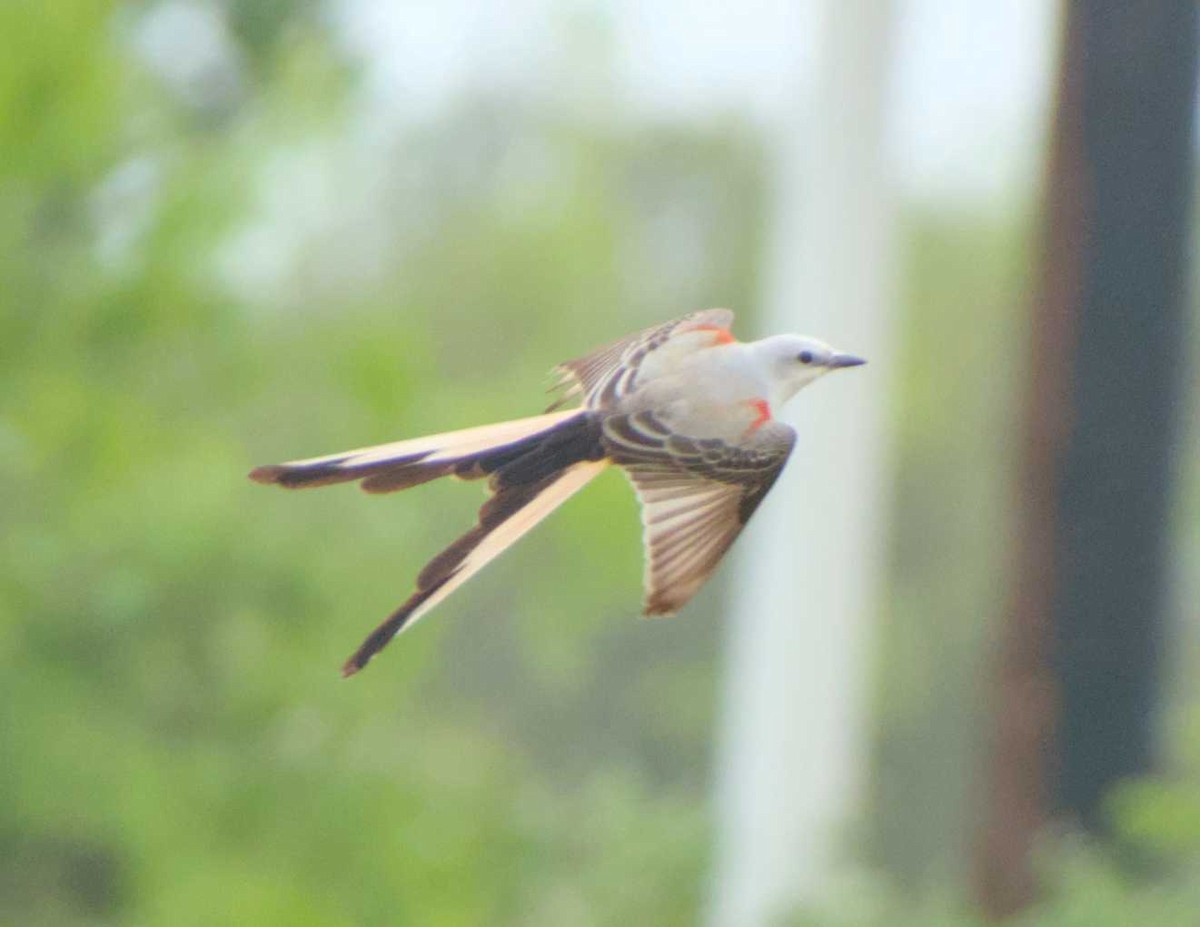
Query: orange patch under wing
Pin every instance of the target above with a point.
(763, 408)
(722, 335)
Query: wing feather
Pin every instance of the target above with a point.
(696, 497)
(611, 371)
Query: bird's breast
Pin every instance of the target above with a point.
(715, 393)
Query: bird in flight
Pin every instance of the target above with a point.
(684, 408)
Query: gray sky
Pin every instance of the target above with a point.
(969, 90)
(968, 94)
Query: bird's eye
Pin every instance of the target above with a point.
(805, 357)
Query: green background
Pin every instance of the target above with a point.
(176, 746)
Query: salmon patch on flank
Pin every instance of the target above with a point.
(764, 413)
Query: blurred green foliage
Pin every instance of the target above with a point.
(178, 748)
(1153, 877)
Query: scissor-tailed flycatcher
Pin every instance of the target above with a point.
(683, 408)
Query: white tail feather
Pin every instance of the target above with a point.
(513, 529)
(490, 546)
(442, 447)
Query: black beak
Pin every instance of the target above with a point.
(844, 360)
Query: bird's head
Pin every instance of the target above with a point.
(794, 361)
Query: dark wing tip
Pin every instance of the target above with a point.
(375, 642)
(304, 476)
(267, 475)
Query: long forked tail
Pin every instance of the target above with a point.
(533, 466)
(505, 518)
(472, 453)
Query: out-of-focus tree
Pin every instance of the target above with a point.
(214, 253)
(1078, 681)
(182, 749)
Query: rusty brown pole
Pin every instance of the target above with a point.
(1076, 680)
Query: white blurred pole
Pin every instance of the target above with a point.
(791, 757)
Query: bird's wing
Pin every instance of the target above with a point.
(611, 371)
(696, 495)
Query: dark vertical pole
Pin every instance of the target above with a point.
(1078, 672)
(1137, 130)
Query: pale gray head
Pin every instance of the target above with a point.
(794, 361)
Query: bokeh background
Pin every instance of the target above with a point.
(238, 232)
